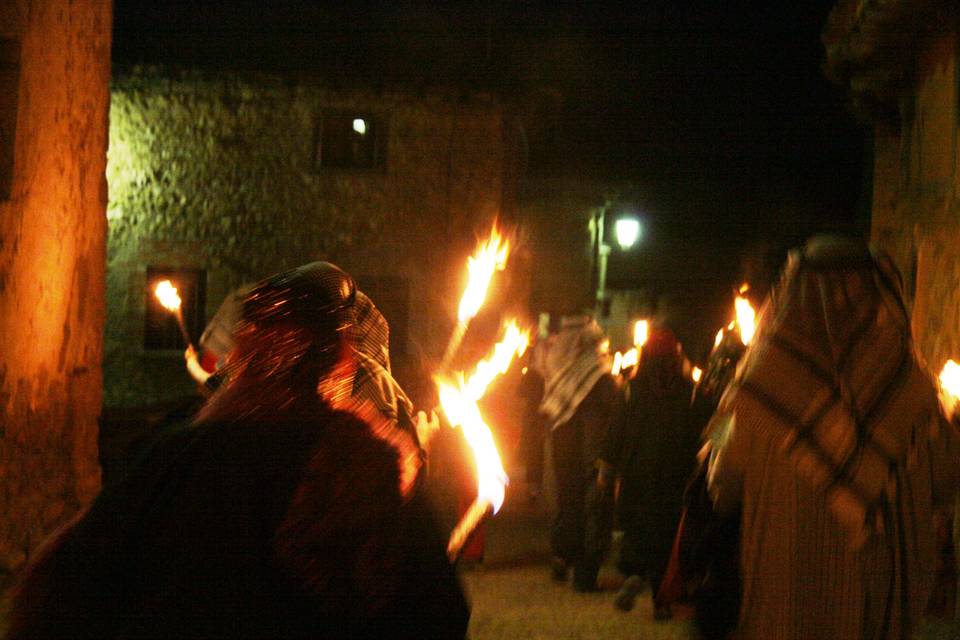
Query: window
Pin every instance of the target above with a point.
(162, 331)
(351, 141)
(9, 94)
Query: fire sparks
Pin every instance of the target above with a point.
(746, 319)
(696, 373)
(491, 256)
(641, 331)
(167, 295)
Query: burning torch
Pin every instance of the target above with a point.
(459, 403)
(491, 256)
(170, 300)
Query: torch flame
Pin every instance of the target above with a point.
(167, 295)
(514, 342)
(641, 331)
(631, 358)
(950, 378)
(459, 402)
(617, 363)
(746, 319)
(462, 411)
(718, 339)
(490, 257)
(696, 373)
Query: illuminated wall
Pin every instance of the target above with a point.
(54, 70)
(916, 212)
(221, 173)
(898, 61)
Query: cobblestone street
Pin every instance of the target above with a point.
(512, 595)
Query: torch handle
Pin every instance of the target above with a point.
(183, 328)
(453, 345)
(479, 510)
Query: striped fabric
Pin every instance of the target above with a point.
(217, 337)
(369, 337)
(376, 396)
(832, 377)
(831, 442)
(573, 364)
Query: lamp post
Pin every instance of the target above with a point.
(627, 230)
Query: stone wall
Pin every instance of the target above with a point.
(220, 173)
(916, 212)
(52, 232)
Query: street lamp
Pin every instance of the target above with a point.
(627, 231)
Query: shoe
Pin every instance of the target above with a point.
(558, 570)
(662, 612)
(627, 595)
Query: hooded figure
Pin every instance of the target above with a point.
(831, 439)
(579, 401)
(285, 511)
(652, 448)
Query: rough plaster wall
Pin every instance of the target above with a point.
(52, 234)
(916, 215)
(219, 174)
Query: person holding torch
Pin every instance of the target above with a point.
(289, 509)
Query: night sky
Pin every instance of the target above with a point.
(719, 111)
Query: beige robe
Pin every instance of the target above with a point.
(801, 581)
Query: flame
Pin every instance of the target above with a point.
(167, 295)
(490, 257)
(604, 346)
(744, 288)
(641, 331)
(514, 342)
(718, 339)
(459, 402)
(950, 378)
(696, 373)
(746, 319)
(617, 363)
(631, 358)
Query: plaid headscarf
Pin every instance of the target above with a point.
(833, 378)
(358, 378)
(573, 366)
(369, 337)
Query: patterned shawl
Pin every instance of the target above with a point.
(573, 365)
(833, 378)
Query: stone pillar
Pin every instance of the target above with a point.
(55, 72)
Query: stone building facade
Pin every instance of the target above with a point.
(228, 179)
(899, 63)
(54, 96)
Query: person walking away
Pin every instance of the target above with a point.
(579, 402)
(652, 448)
(832, 440)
